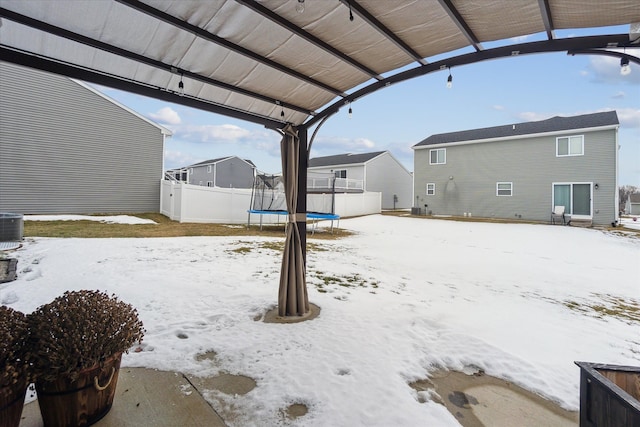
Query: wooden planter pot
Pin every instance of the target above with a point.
(82, 402)
(11, 403)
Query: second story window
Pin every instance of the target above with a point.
(570, 146)
(341, 173)
(438, 156)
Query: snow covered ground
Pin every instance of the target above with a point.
(399, 299)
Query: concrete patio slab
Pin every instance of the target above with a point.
(148, 397)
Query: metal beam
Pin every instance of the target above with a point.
(556, 45)
(382, 29)
(461, 23)
(61, 32)
(199, 32)
(267, 13)
(613, 53)
(88, 75)
(545, 11)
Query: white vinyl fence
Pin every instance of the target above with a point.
(195, 203)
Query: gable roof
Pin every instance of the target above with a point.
(219, 159)
(344, 159)
(554, 124)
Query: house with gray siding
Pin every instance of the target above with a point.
(632, 206)
(224, 172)
(523, 170)
(377, 172)
(66, 148)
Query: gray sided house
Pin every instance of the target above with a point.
(523, 170)
(66, 148)
(377, 172)
(225, 172)
(632, 206)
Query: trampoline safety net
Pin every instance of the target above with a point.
(268, 193)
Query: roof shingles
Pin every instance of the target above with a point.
(554, 124)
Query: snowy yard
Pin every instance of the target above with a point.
(400, 299)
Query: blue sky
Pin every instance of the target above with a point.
(490, 93)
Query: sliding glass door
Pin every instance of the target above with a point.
(575, 197)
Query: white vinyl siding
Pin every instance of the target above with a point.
(431, 189)
(570, 146)
(504, 189)
(438, 156)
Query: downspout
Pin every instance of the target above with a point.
(616, 197)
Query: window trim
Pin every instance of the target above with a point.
(568, 138)
(510, 189)
(208, 168)
(339, 172)
(444, 161)
(433, 185)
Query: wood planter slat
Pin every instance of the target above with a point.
(82, 402)
(12, 402)
(609, 395)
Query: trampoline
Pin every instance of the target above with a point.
(267, 198)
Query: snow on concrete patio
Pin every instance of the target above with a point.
(401, 298)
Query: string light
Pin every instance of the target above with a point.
(625, 68)
(350, 13)
(350, 111)
(449, 80)
(300, 6)
(181, 86)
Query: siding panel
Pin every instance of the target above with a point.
(65, 149)
(467, 182)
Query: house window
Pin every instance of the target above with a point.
(438, 156)
(504, 189)
(575, 197)
(341, 173)
(208, 168)
(570, 146)
(209, 183)
(431, 189)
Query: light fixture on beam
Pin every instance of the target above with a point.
(300, 6)
(449, 80)
(350, 111)
(181, 87)
(625, 68)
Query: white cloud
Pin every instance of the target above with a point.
(619, 95)
(629, 117)
(606, 69)
(218, 133)
(166, 115)
(174, 159)
(338, 145)
(498, 107)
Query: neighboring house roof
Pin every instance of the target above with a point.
(634, 198)
(554, 124)
(343, 159)
(212, 161)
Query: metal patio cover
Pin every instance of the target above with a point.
(265, 62)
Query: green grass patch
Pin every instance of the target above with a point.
(164, 227)
(609, 306)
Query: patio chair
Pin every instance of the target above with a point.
(557, 215)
